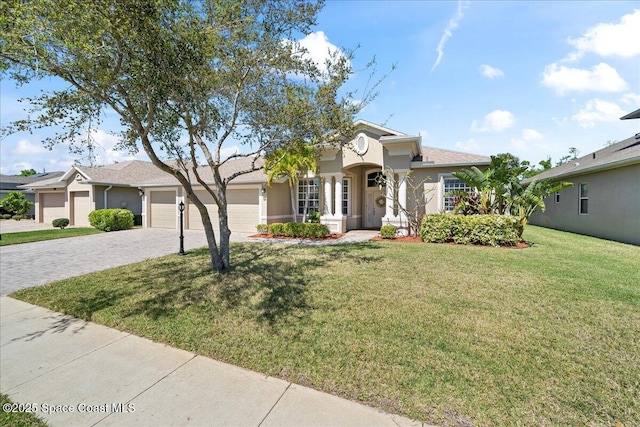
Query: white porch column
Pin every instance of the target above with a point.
(327, 195)
(388, 216)
(338, 196)
(402, 193)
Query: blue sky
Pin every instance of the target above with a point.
(529, 78)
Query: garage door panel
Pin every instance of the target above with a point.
(81, 208)
(242, 210)
(52, 206)
(163, 209)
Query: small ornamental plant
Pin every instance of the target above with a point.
(60, 223)
(388, 231)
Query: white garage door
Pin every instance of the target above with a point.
(52, 207)
(163, 209)
(81, 208)
(242, 210)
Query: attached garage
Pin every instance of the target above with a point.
(242, 210)
(52, 206)
(81, 208)
(162, 209)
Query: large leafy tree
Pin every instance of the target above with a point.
(184, 77)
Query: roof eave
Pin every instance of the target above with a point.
(597, 168)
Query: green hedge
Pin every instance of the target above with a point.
(111, 219)
(299, 229)
(388, 231)
(60, 223)
(494, 230)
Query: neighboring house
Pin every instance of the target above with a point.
(604, 200)
(346, 188)
(9, 183)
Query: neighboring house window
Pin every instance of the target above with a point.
(557, 197)
(584, 199)
(452, 184)
(346, 198)
(314, 195)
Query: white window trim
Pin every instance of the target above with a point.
(349, 191)
(580, 198)
(300, 182)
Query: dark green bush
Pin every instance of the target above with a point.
(388, 231)
(299, 229)
(494, 230)
(5, 216)
(17, 217)
(60, 223)
(314, 217)
(111, 219)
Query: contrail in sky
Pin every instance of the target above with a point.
(448, 32)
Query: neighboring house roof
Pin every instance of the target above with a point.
(439, 157)
(634, 115)
(17, 182)
(617, 155)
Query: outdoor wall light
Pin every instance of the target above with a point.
(140, 192)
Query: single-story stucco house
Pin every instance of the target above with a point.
(604, 200)
(345, 189)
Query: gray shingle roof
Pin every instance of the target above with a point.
(433, 157)
(620, 154)
(632, 115)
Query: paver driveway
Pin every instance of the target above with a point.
(33, 264)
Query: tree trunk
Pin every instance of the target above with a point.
(294, 210)
(225, 233)
(217, 261)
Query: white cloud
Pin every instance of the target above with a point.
(448, 31)
(497, 120)
(601, 78)
(229, 151)
(25, 147)
(528, 136)
(468, 145)
(319, 49)
(597, 110)
(605, 39)
(490, 72)
(631, 99)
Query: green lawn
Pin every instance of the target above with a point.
(547, 335)
(17, 416)
(40, 235)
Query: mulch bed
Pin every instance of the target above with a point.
(332, 236)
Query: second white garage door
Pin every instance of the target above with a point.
(163, 209)
(81, 208)
(52, 207)
(242, 210)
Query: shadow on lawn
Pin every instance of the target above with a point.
(266, 282)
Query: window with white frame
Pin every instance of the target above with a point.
(452, 184)
(313, 186)
(346, 196)
(584, 199)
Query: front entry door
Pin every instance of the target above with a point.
(374, 212)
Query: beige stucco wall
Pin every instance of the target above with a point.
(433, 185)
(278, 203)
(614, 206)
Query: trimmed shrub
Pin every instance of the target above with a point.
(388, 231)
(111, 219)
(493, 230)
(276, 229)
(17, 217)
(299, 229)
(262, 228)
(314, 217)
(60, 223)
(5, 216)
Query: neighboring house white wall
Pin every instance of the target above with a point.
(613, 207)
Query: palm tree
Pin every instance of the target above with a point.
(532, 198)
(291, 164)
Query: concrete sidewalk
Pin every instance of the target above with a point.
(77, 373)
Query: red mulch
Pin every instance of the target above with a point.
(332, 236)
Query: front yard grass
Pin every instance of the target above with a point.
(548, 335)
(14, 415)
(40, 235)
